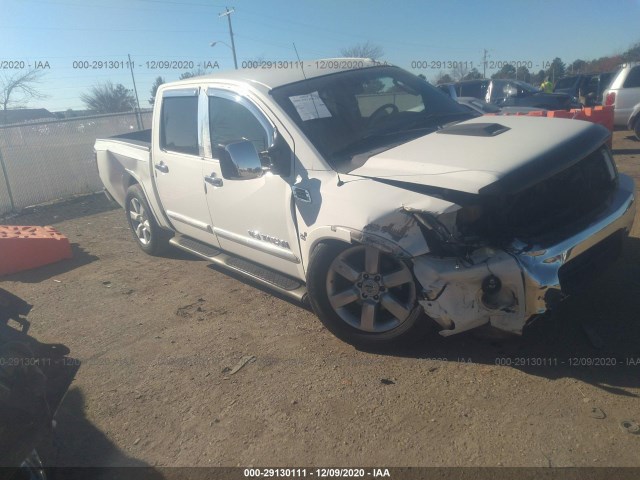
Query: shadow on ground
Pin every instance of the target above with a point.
(593, 337)
(81, 447)
(626, 151)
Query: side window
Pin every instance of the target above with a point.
(473, 89)
(230, 122)
(633, 79)
(179, 125)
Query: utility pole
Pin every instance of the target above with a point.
(484, 64)
(227, 14)
(138, 114)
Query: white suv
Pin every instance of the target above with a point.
(623, 92)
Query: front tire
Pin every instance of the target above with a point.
(362, 295)
(636, 128)
(148, 235)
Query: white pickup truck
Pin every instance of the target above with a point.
(367, 191)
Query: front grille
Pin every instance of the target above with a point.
(552, 205)
(576, 274)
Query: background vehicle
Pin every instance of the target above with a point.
(509, 93)
(634, 121)
(623, 92)
(365, 190)
(584, 88)
(482, 107)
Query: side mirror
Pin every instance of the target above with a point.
(241, 161)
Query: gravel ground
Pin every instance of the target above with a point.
(162, 341)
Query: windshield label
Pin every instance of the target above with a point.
(310, 106)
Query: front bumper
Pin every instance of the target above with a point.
(534, 276)
(551, 271)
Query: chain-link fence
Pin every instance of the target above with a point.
(46, 161)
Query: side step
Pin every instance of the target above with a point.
(283, 284)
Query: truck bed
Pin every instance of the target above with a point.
(141, 138)
(124, 157)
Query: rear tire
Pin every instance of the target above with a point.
(148, 235)
(362, 295)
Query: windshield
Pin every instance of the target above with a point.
(369, 110)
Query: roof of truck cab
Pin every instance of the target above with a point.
(285, 72)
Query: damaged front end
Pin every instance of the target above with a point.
(504, 259)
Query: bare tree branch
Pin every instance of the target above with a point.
(363, 50)
(109, 98)
(20, 83)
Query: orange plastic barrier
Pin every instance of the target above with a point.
(25, 247)
(600, 115)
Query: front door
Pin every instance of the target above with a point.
(252, 218)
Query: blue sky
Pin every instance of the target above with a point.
(61, 32)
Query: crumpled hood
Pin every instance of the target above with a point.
(530, 150)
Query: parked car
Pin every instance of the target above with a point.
(509, 93)
(482, 107)
(584, 88)
(623, 92)
(634, 121)
(363, 189)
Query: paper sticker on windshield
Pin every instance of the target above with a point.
(310, 106)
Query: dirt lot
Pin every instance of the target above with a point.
(159, 339)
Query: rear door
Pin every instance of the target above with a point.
(178, 162)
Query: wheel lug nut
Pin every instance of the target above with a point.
(377, 278)
(359, 284)
(376, 297)
(382, 289)
(364, 295)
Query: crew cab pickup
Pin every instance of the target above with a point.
(363, 189)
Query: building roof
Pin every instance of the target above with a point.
(21, 115)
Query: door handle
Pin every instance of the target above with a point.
(213, 180)
(161, 167)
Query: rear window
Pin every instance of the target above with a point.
(633, 79)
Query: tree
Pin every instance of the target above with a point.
(109, 98)
(20, 83)
(507, 71)
(193, 73)
(579, 66)
(556, 70)
(459, 71)
(443, 78)
(538, 78)
(473, 74)
(633, 54)
(154, 89)
(522, 73)
(363, 50)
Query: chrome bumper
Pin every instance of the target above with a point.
(541, 264)
(533, 277)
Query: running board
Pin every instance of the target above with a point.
(278, 281)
